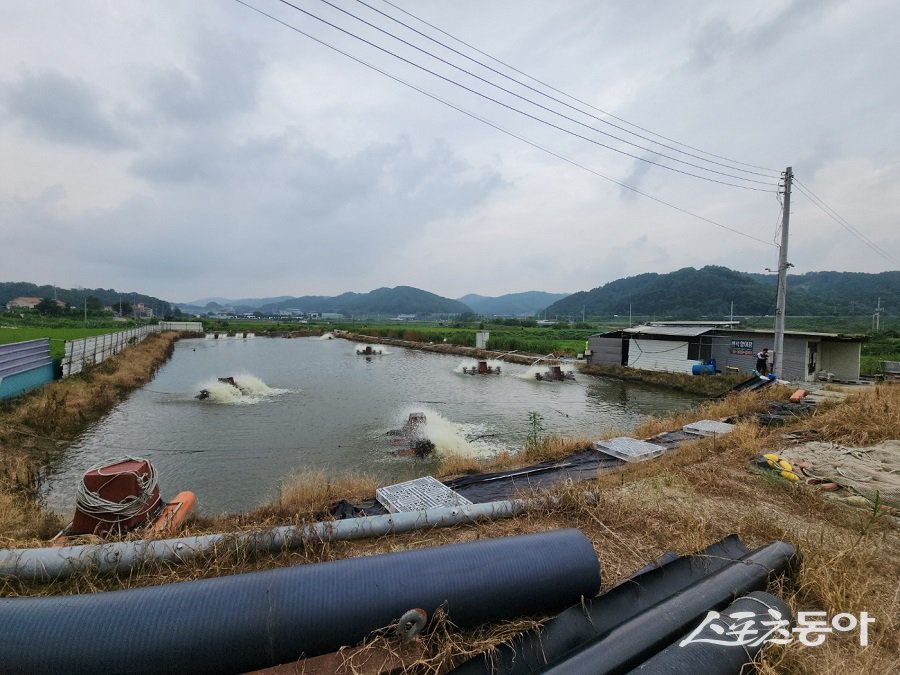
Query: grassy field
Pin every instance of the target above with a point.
(58, 336)
(19, 328)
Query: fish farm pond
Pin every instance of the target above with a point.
(315, 403)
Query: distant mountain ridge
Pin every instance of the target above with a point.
(243, 302)
(385, 301)
(690, 293)
(687, 293)
(381, 301)
(527, 303)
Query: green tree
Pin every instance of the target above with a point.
(48, 307)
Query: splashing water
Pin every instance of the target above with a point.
(326, 336)
(248, 389)
(449, 438)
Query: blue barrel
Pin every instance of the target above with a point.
(703, 369)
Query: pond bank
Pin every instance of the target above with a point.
(38, 427)
(704, 385)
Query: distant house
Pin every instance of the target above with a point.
(143, 311)
(23, 302)
(26, 302)
(678, 347)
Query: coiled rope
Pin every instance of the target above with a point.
(104, 510)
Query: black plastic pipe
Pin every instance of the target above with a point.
(629, 644)
(532, 650)
(250, 621)
(722, 659)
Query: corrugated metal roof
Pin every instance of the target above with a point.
(686, 331)
(848, 337)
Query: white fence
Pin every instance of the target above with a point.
(90, 351)
(182, 326)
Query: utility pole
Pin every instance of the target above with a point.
(783, 264)
(877, 317)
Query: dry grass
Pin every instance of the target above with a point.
(308, 495)
(547, 448)
(457, 465)
(866, 419)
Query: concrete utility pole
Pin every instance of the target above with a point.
(783, 264)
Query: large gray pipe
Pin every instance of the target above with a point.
(245, 622)
(40, 564)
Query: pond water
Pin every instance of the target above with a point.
(311, 403)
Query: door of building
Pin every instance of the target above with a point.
(812, 360)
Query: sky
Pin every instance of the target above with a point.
(194, 149)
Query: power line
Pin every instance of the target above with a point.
(497, 126)
(539, 92)
(558, 91)
(835, 216)
(523, 112)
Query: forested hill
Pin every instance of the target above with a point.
(399, 300)
(708, 292)
(846, 292)
(76, 297)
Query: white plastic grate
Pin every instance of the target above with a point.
(628, 449)
(708, 428)
(418, 494)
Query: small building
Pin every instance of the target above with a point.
(143, 311)
(23, 302)
(678, 348)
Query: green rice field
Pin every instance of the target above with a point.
(58, 336)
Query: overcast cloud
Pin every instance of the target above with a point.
(198, 149)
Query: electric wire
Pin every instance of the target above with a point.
(508, 106)
(552, 98)
(528, 100)
(558, 91)
(499, 128)
(835, 216)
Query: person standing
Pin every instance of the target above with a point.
(762, 361)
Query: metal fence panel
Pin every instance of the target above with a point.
(90, 351)
(24, 366)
